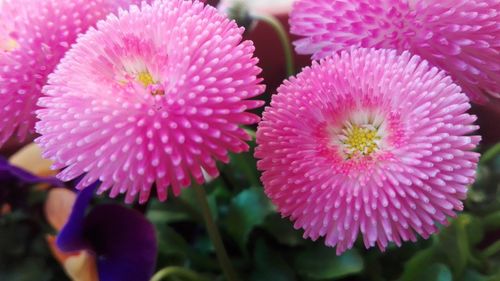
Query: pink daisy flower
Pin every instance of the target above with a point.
(34, 35)
(152, 97)
(460, 36)
(368, 143)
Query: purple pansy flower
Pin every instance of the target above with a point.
(123, 241)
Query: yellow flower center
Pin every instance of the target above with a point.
(145, 78)
(8, 45)
(360, 140)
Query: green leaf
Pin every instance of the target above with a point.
(246, 163)
(270, 265)
(247, 210)
(176, 210)
(178, 273)
(28, 270)
(436, 272)
(174, 250)
(321, 262)
(163, 216)
(453, 241)
(414, 266)
(492, 221)
(282, 230)
(189, 197)
(170, 242)
(471, 275)
(475, 230)
(494, 277)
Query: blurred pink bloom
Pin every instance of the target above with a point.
(370, 143)
(34, 35)
(460, 36)
(152, 97)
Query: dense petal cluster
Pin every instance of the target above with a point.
(34, 35)
(460, 36)
(368, 142)
(153, 96)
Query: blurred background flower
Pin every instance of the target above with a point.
(34, 36)
(268, 46)
(460, 37)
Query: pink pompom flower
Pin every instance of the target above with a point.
(153, 96)
(34, 36)
(461, 37)
(368, 143)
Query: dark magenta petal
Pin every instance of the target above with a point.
(71, 238)
(124, 242)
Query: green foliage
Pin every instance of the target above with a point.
(24, 254)
(436, 272)
(265, 247)
(270, 264)
(319, 262)
(282, 230)
(247, 210)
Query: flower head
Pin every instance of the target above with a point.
(459, 36)
(152, 97)
(34, 36)
(368, 142)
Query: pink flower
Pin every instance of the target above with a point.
(368, 143)
(152, 97)
(34, 35)
(460, 36)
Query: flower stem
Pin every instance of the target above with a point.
(492, 250)
(492, 221)
(490, 154)
(214, 234)
(284, 39)
(177, 271)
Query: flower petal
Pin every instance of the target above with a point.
(71, 237)
(122, 239)
(58, 206)
(30, 158)
(80, 266)
(124, 242)
(9, 172)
